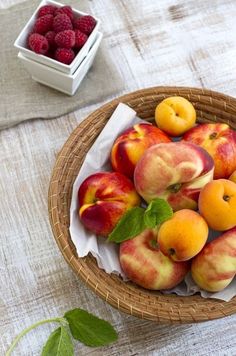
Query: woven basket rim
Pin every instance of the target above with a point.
(125, 296)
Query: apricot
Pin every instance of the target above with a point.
(183, 236)
(175, 115)
(217, 204)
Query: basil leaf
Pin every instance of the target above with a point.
(58, 344)
(130, 225)
(89, 329)
(157, 212)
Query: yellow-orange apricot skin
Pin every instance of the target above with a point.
(175, 115)
(183, 236)
(217, 204)
(233, 177)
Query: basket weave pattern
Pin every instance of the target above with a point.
(127, 297)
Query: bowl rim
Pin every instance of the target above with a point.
(52, 62)
(128, 297)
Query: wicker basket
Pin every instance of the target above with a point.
(127, 297)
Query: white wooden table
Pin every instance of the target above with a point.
(162, 42)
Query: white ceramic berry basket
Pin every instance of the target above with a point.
(66, 83)
(21, 41)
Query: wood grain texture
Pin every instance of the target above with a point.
(162, 42)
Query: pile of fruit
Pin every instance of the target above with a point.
(185, 176)
(60, 34)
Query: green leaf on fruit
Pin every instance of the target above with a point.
(130, 225)
(157, 212)
(137, 219)
(58, 344)
(89, 329)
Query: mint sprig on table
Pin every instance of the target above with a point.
(137, 219)
(83, 326)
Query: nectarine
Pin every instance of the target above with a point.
(131, 144)
(144, 263)
(220, 142)
(173, 171)
(215, 266)
(103, 198)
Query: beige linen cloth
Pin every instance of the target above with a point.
(21, 98)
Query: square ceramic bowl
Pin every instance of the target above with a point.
(21, 40)
(66, 83)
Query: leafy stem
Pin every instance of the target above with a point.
(83, 326)
(62, 321)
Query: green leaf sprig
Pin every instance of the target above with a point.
(137, 219)
(83, 326)
(78, 323)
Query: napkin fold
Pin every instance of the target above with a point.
(21, 98)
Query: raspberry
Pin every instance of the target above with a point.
(65, 39)
(64, 55)
(50, 36)
(62, 22)
(46, 10)
(85, 24)
(80, 38)
(43, 24)
(65, 10)
(38, 43)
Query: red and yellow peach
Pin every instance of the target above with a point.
(103, 198)
(131, 144)
(215, 266)
(219, 140)
(144, 263)
(175, 171)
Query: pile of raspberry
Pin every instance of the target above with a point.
(59, 34)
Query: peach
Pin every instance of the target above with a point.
(131, 144)
(175, 115)
(215, 266)
(217, 204)
(103, 198)
(183, 236)
(174, 171)
(219, 140)
(233, 177)
(144, 263)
